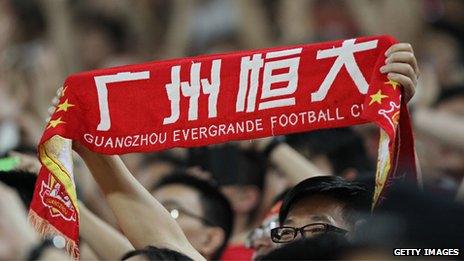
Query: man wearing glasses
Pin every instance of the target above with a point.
(202, 212)
(318, 205)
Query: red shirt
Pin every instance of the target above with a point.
(237, 252)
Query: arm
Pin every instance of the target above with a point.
(141, 217)
(294, 165)
(432, 123)
(107, 243)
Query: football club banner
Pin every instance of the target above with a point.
(211, 99)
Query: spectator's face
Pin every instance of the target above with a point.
(317, 209)
(184, 205)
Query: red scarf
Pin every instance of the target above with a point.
(210, 99)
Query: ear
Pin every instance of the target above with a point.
(213, 239)
(350, 174)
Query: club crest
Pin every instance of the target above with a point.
(54, 196)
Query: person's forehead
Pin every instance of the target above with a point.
(182, 195)
(314, 207)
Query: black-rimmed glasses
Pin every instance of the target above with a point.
(286, 234)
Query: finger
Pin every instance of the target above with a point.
(403, 57)
(406, 82)
(399, 47)
(400, 68)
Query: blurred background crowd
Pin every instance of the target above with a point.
(43, 41)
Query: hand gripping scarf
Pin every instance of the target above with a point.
(210, 99)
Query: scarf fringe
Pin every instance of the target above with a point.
(45, 230)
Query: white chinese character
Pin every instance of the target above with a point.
(101, 83)
(345, 57)
(249, 77)
(192, 90)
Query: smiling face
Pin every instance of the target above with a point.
(317, 209)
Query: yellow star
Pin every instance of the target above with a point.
(377, 97)
(64, 90)
(393, 84)
(54, 123)
(64, 106)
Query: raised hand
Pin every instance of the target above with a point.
(401, 67)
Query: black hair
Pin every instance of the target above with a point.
(216, 207)
(342, 146)
(22, 181)
(355, 197)
(328, 246)
(154, 253)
